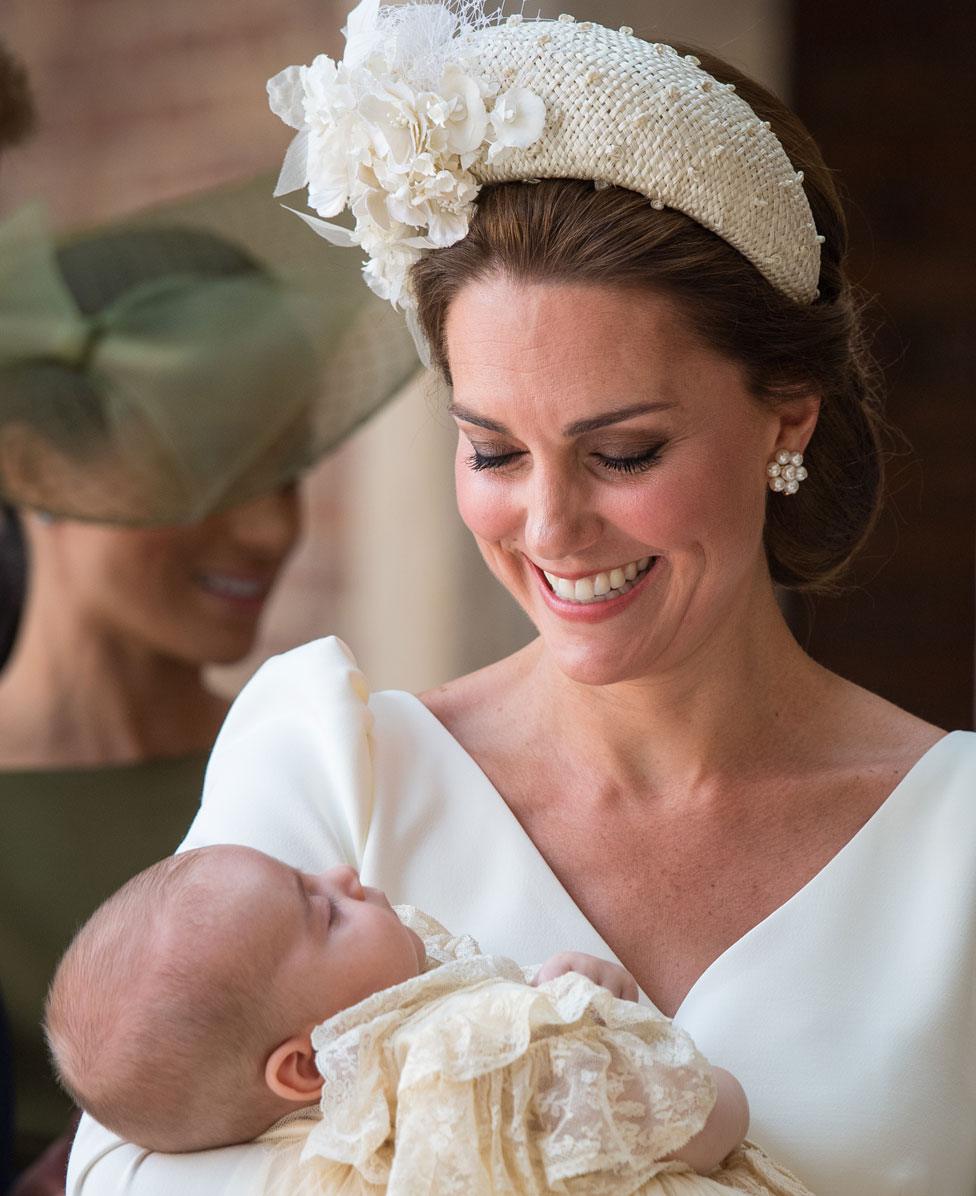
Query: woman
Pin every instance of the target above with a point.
(149, 376)
(663, 776)
(106, 723)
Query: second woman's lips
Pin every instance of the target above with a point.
(235, 586)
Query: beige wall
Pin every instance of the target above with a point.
(139, 103)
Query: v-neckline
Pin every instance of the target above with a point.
(836, 860)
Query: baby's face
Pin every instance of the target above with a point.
(325, 940)
(347, 942)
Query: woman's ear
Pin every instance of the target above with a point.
(797, 419)
(291, 1072)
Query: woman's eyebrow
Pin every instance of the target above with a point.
(615, 417)
(576, 429)
(480, 421)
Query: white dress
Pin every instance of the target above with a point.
(848, 1014)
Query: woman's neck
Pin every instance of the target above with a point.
(79, 693)
(722, 712)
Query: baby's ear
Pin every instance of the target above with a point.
(291, 1072)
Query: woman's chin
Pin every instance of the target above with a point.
(597, 664)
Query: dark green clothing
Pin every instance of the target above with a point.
(68, 839)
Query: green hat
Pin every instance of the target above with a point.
(159, 370)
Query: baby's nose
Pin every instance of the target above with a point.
(346, 879)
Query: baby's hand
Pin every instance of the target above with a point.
(610, 976)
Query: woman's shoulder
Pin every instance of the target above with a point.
(861, 732)
(316, 687)
(291, 771)
(319, 666)
(471, 707)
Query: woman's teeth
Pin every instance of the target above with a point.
(233, 587)
(600, 586)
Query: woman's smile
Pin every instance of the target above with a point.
(600, 585)
(239, 589)
(590, 598)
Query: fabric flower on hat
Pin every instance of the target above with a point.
(517, 119)
(459, 111)
(391, 133)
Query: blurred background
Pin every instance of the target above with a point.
(139, 103)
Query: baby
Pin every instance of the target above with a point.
(182, 1015)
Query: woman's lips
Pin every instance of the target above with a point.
(244, 592)
(595, 612)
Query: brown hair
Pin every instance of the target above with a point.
(568, 230)
(16, 106)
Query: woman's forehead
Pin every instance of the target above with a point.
(530, 325)
(590, 349)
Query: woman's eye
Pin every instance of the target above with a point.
(479, 461)
(635, 464)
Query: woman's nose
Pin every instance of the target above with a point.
(559, 524)
(345, 879)
(268, 525)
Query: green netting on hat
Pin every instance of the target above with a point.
(159, 370)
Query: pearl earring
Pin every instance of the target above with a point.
(785, 472)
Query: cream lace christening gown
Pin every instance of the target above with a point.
(468, 1081)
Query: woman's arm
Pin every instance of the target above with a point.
(291, 775)
(103, 1165)
(727, 1125)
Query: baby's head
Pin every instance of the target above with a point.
(180, 1016)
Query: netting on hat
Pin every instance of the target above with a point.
(158, 371)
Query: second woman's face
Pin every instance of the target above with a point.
(193, 592)
(612, 469)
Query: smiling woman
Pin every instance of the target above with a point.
(593, 462)
(159, 395)
(119, 620)
(105, 721)
(663, 410)
(782, 353)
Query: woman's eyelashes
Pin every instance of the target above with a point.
(635, 463)
(479, 460)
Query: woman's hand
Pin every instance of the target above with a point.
(610, 976)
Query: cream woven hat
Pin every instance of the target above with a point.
(431, 101)
(635, 114)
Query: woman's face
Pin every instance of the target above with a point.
(193, 592)
(602, 447)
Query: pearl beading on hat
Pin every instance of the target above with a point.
(629, 113)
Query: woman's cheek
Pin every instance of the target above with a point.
(484, 503)
(702, 506)
(663, 510)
